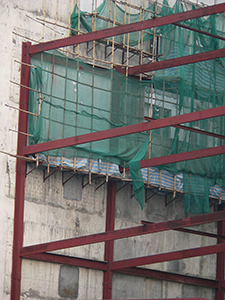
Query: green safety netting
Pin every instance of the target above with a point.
(110, 10)
(190, 88)
(80, 99)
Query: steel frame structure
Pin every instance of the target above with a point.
(130, 266)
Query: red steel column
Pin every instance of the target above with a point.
(110, 224)
(20, 177)
(220, 260)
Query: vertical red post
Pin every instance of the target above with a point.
(110, 224)
(220, 260)
(20, 176)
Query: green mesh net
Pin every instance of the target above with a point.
(80, 99)
(110, 10)
(186, 89)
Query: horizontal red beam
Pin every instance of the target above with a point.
(158, 258)
(161, 275)
(191, 231)
(68, 260)
(192, 129)
(125, 130)
(184, 156)
(123, 233)
(100, 265)
(173, 62)
(127, 28)
(200, 31)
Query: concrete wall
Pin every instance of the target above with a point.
(50, 212)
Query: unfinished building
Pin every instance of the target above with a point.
(119, 152)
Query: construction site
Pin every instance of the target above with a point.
(112, 157)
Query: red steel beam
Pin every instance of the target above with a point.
(143, 272)
(123, 233)
(20, 176)
(161, 275)
(184, 156)
(200, 31)
(125, 130)
(68, 260)
(195, 130)
(170, 256)
(191, 231)
(109, 245)
(173, 62)
(127, 28)
(220, 260)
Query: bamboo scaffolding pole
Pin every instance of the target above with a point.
(89, 174)
(142, 37)
(22, 63)
(174, 186)
(37, 163)
(74, 163)
(48, 165)
(25, 111)
(19, 156)
(94, 42)
(24, 133)
(25, 37)
(162, 116)
(24, 86)
(128, 43)
(104, 40)
(107, 171)
(36, 20)
(43, 27)
(78, 47)
(140, 18)
(125, 20)
(152, 96)
(113, 39)
(109, 19)
(132, 5)
(56, 16)
(160, 179)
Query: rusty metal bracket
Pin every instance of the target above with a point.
(173, 198)
(125, 184)
(100, 185)
(34, 168)
(154, 193)
(45, 178)
(64, 182)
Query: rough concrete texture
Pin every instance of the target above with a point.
(53, 213)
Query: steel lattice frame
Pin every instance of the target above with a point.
(39, 252)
